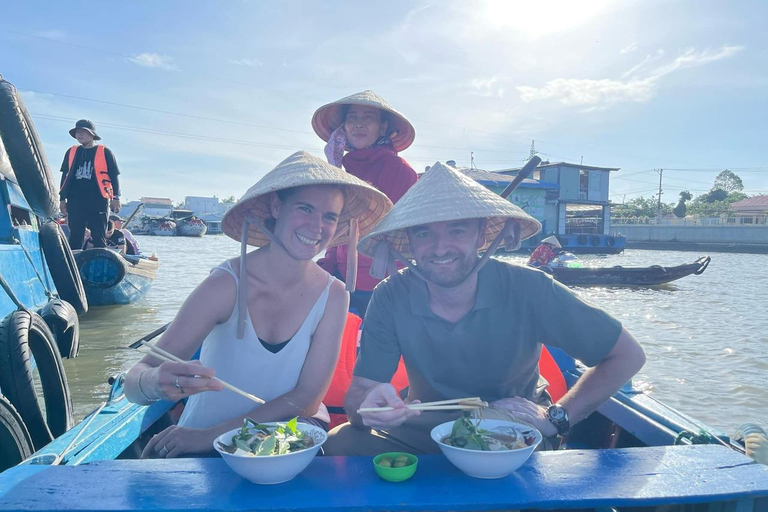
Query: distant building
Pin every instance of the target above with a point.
(755, 207)
(202, 205)
(212, 221)
(157, 206)
(582, 204)
(538, 199)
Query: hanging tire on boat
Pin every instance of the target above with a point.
(25, 152)
(595, 240)
(26, 339)
(15, 441)
(610, 241)
(582, 239)
(61, 263)
(62, 319)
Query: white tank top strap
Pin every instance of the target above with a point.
(226, 267)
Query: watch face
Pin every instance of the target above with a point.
(556, 413)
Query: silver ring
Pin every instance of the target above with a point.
(178, 386)
(163, 451)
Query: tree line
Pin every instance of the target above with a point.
(727, 189)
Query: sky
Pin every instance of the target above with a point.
(204, 97)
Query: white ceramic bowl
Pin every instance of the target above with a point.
(272, 469)
(482, 464)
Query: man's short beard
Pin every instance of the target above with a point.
(451, 281)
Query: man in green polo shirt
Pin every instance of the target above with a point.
(468, 326)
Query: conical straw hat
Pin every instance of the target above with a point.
(445, 194)
(552, 240)
(363, 201)
(328, 117)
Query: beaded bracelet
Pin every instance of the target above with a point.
(141, 390)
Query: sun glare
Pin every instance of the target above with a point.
(539, 18)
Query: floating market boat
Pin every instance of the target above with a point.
(633, 452)
(111, 278)
(154, 226)
(625, 276)
(188, 224)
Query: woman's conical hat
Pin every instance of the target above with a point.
(363, 201)
(446, 194)
(328, 117)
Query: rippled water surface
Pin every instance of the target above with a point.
(706, 336)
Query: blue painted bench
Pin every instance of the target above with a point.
(564, 479)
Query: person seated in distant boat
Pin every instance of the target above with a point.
(468, 326)
(364, 135)
(115, 238)
(269, 323)
(545, 252)
(131, 244)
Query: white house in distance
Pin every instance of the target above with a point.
(157, 206)
(753, 210)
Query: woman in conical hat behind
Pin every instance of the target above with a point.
(364, 135)
(544, 253)
(269, 322)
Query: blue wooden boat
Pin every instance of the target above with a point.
(634, 452)
(111, 278)
(37, 327)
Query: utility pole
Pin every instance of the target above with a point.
(532, 152)
(658, 206)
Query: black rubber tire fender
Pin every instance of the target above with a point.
(62, 319)
(25, 152)
(15, 441)
(61, 263)
(582, 239)
(610, 241)
(23, 335)
(595, 240)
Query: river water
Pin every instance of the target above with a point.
(706, 336)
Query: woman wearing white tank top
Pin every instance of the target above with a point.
(269, 322)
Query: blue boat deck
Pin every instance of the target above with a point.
(567, 479)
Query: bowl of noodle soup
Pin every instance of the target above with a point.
(486, 448)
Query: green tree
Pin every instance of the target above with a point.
(680, 209)
(728, 181)
(229, 200)
(640, 207)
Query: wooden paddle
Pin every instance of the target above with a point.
(523, 173)
(132, 215)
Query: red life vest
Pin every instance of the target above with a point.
(99, 168)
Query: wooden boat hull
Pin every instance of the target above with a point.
(184, 228)
(626, 276)
(110, 278)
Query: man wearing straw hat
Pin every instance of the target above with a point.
(364, 134)
(468, 326)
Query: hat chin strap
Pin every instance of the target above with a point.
(510, 235)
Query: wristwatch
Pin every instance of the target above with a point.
(558, 416)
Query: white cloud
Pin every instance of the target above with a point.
(601, 94)
(692, 58)
(628, 49)
(583, 92)
(249, 63)
(56, 35)
(154, 60)
(487, 87)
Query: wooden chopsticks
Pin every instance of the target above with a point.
(457, 404)
(167, 356)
